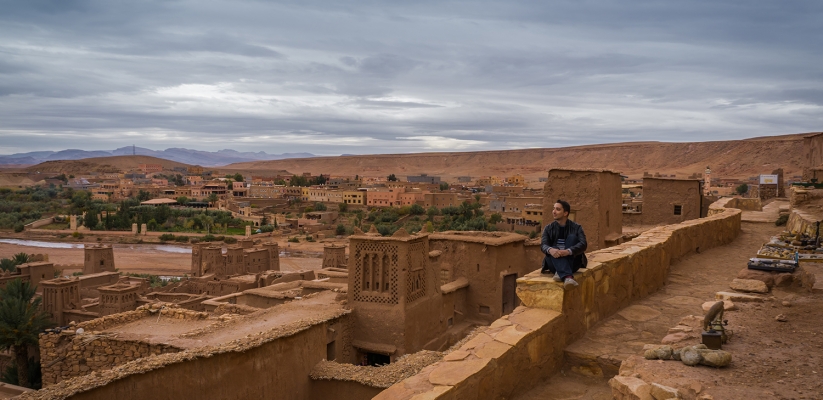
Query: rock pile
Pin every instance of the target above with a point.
(379, 377)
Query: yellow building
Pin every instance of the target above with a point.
(354, 197)
(516, 180)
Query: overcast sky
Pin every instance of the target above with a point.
(332, 77)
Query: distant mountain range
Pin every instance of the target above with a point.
(186, 156)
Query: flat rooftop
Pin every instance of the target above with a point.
(188, 334)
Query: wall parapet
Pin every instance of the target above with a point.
(525, 347)
(622, 274)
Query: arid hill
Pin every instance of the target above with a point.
(100, 164)
(731, 158)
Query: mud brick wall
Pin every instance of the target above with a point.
(620, 275)
(526, 346)
(65, 355)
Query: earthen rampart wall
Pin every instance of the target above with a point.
(526, 347)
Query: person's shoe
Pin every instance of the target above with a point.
(545, 272)
(557, 278)
(569, 282)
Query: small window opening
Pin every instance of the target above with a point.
(678, 209)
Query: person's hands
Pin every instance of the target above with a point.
(556, 253)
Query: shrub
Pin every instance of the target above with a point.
(294, 240)
(229, 240)
(181, 238)
(309, 238)
(208, 238)
(781, 220)
(319, 207)
(341, 229)
(267, 228)
(166, 236)
(18, 227)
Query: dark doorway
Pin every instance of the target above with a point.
(376, 360)
(330, 351)
(510, 300)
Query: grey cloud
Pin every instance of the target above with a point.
(505, 74)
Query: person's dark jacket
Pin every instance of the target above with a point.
(550, 236)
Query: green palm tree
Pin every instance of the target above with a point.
(21, 321)
(7, 264)
(21, 258)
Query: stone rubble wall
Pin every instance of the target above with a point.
(802, 221)
(67, 354)
(526, 347)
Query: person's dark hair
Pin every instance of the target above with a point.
(565, 204)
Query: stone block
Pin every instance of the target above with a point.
(739, 297)
(749, 286)
(728, 305)
(660, 392)
(630, 388)
(455, 372)
(763, 276)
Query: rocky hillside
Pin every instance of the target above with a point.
(732, 158)
(100, 164)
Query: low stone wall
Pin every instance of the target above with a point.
(39, 223)
(526, 346)
(743, 204)
(67, 355)
(622, 274)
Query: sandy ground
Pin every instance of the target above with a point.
(771, 359)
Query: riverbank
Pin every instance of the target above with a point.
(167, 259)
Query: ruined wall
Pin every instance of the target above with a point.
(484, 266)
(663, 199)
(743, 204)
(806, 198)
(526, 347)
(596, 202)
(275, 365)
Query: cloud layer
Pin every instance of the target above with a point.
(332, 77)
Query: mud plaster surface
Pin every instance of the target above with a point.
(770, 359)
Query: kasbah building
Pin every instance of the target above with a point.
(445, 315)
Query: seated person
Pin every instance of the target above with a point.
(564, 244)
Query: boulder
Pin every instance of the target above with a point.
(763, 276)
(716, 358)
(749, 285)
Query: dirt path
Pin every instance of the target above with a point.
(762, 347)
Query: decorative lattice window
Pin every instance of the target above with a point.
(375, 272)
(416, 279)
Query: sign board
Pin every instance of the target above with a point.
(768, 179)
